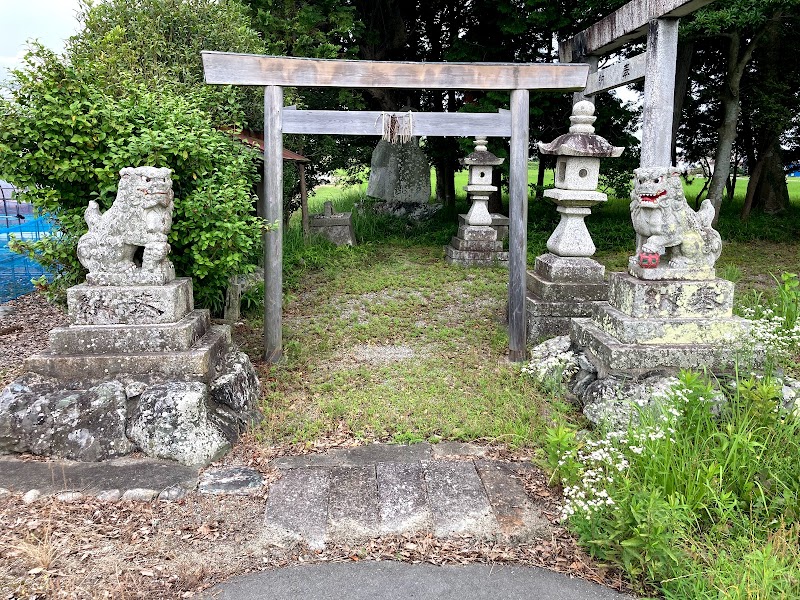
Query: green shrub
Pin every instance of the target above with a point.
(64, 140)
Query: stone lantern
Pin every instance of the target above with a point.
(480, 164)
(577, 170)
(566, 283)
(476, 242)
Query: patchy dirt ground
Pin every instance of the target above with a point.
(90, 549)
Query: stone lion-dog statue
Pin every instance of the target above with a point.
(127, 244)
(666, 225)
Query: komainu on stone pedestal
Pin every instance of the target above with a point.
(139, 367)
(127, 245)
(670, 311)
(666, 225)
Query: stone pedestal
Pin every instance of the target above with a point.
(335, 227)
(139, 369)
(666, 324)
(476, 245)
(500, 224)
(560, 289)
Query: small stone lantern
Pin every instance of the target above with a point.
(480, 164)
(476, 243)
(577, 170)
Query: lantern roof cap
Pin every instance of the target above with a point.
(481, 156)
(581, 139)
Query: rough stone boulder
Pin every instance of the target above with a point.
(40, 417)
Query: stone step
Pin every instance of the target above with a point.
(518, 520)
(346, 504)
(353, 503)
(402, 498)
(457, 500)
(119, 339)
(369, 454)
(199, 362)
(297, 508)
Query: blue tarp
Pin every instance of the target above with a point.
(16, 271)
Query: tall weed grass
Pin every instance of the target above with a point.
(693, 488)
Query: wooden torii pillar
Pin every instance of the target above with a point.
(275, 72)
(658, 20)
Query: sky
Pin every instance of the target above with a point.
(49, 21)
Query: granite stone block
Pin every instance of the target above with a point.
(132, 305)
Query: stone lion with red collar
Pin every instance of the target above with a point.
(667, 229)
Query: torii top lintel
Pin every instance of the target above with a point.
(252, 69)
(625, 24)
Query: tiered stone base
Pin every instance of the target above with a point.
(138, 369)
(476, 245)
(560, 289)
(668, 324)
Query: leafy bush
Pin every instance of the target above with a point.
(64, 140)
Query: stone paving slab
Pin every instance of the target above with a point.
(297, 508)
(122, 473)
(353, 503)
(239, 481)
(448, 489)
(517, 518)
(358, 456)
(458, 502)
(402, 498)
(388, 580)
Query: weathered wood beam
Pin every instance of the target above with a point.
(518, 225)
(620, 73)
(273, 215)
(659, 93)
(251, 69)
(627, 23)
(338, 122)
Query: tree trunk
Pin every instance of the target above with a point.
(682, 71)
(767, 188)
(736, 64)
(722, 155)
(540, 178)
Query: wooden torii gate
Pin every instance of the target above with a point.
(273, 73)
(658, 20)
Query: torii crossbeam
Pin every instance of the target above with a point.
(658, 20)
(274, 72)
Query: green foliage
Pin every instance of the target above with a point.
(160, 42)
(788, 299)
(64, 140)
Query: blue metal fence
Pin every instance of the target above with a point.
(18, 220)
